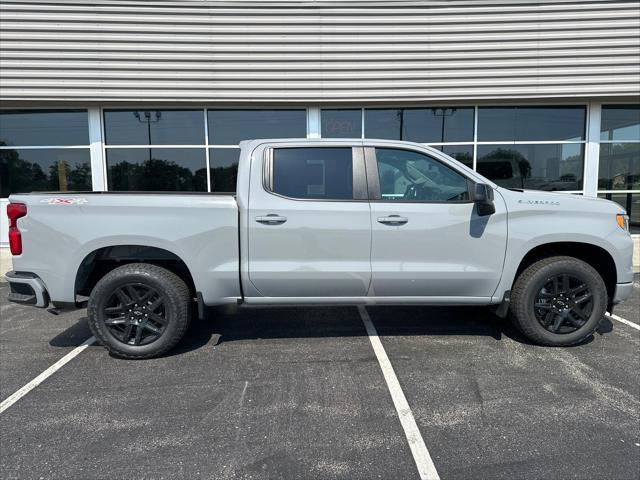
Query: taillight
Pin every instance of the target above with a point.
(14, 212)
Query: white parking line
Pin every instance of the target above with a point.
(7, 402)
(623, 320)
(426, 468)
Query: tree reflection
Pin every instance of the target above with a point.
(224, 179)
(49, 173)
(156, 175)
(506, 167)
(545, 167)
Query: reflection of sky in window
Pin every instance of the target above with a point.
(631, 132)
(422, 125)
(504, 124)
(223, 157)
(44, 128)
(620, 123)
(165, 127)
(230, 127)
(571, 150)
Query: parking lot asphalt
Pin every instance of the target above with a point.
(298, 393)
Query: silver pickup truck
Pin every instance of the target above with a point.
(322, 222)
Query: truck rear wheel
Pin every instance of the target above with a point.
(139, 310)
(558, 301)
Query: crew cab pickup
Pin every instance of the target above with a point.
(322, 222)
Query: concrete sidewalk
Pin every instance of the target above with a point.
(5, 263)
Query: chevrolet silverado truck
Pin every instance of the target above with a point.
(321, 222)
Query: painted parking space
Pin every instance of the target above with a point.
(286, 393)
(32, 339)
(299, 392)
(491, 405)
(630, 310)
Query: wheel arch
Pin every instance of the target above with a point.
(594, 255)
(101, 261)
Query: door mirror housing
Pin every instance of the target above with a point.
(483, 198)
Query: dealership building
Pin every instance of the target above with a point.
(156, 95)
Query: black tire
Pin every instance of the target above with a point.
(545, 314)
(156, 323)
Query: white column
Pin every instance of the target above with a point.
(97, 158)
(592, 150)
(313, 122)
(475, 138)
(206, 150)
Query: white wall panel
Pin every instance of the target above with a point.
(317, 52)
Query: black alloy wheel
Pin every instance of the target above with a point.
(135, 314)
(563, 304)
(139, 310)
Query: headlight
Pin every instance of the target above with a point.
(623, 221)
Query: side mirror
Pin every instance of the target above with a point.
(483, 198)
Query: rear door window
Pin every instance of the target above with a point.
(321, 173)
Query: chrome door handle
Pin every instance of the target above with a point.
(271, 219)
(394, 220)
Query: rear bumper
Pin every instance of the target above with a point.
(27, 289)
(623, 291)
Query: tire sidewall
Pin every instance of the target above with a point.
(583, 272)
(103, 291)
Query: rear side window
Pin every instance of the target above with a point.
(320, 173)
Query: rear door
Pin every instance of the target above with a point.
(428, 240)
(309, 223)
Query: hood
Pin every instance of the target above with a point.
(538, 198)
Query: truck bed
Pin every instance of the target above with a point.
(61, 230)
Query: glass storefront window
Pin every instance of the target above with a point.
(422, 125)
(341, 123)
(230, 127)
(620, 122)
(157, 169)
(631, 203)
(223, 164)
(43, 127)
(38, 170)
(551, 167)
(505, 124)
(154, 127)
(619, 167)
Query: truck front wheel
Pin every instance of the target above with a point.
(139, 310)
(558, 301)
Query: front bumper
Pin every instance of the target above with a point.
(27, 289)
(623, 291)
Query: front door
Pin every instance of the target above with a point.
(428, 240)
(309, 223)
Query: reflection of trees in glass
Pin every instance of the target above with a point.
(20, 175)
(223, 179)
(619, 166)
(466, 158)
(463, 157)
(506, 167)
(156, 175)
